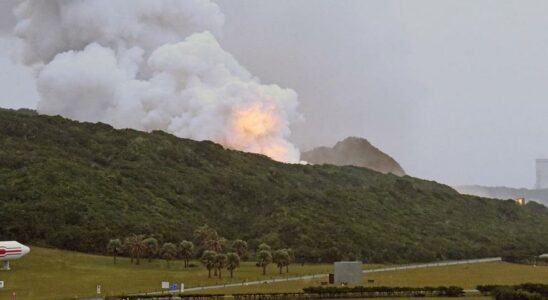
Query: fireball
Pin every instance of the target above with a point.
(254, 128)
(255, 121)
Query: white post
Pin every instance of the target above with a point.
(6, 265)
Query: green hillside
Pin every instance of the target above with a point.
(75, 185)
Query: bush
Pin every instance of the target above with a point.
(525, 291)
(383, 291)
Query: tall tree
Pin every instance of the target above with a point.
(240, 247)
(138, 247)
(264, 258)
(168, 252)
(220, 263)
(203, 233)
(208, 259)
(208, 238)
(151, 247)
(127, 247)
(232, 262)
(215, 243)
(187, 251)
(281, 258)
(264, 247)
(291, 259)
(114, 247)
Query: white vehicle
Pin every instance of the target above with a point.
(11, 250)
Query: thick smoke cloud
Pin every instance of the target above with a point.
(152, 65)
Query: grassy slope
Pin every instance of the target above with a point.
(55, 274)
(75, 185)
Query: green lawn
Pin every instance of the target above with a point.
(466, 276)
(55, 274)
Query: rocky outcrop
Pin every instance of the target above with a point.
(354, 151)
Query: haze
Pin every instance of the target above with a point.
(453, 90)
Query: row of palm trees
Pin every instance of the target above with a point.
(209, 243)
(282, 257)
(219, 261)
(139, 246)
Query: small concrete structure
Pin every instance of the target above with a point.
(348, 272)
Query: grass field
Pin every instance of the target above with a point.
(466, 276)
(54, 274)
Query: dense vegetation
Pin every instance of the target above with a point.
(358, 292)
(331, 292)
(77, 185)
(525, 291)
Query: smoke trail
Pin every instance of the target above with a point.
(152, 65)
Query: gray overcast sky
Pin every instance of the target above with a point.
(454, 90)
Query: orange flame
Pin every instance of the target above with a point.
(255, 121)
(255, 128)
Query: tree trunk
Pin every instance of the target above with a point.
(150, 258)
(231, 270)
(209, 275)
(220, 274)
(280, 269)
(287, 268)
(264, 269)
(138, 258)
(215, 272)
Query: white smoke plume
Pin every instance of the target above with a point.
(152, 65)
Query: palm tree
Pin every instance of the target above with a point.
(208, 259)
(220, 262)
(127, 247)
(232, 262)
(264, 258)
(138, 247)
(168, 252)
(240, 247)
(187, 251)
(151, 247)
(114, 247)
(264, 246)
(281, 258)
(209, 239)
(291, 259)
(202, 232)
(215, 243)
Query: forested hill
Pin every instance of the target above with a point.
(75, 185)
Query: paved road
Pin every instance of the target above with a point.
(323, 275)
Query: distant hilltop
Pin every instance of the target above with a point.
(354, 151)
(504, 193)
